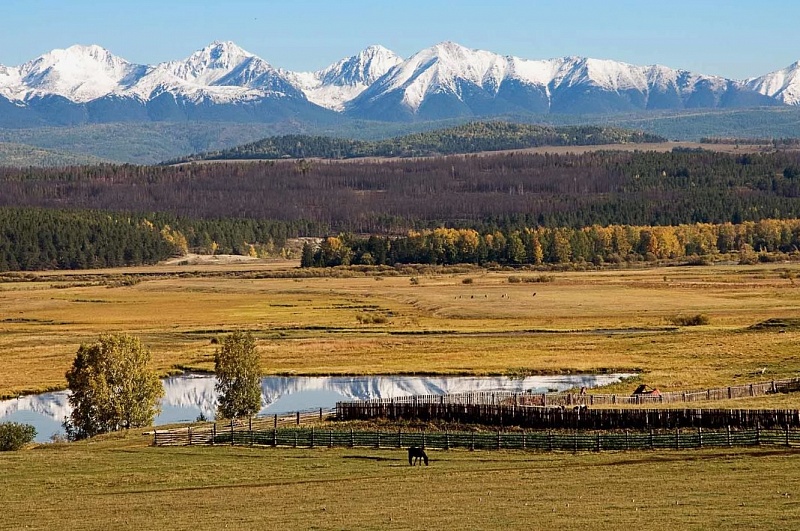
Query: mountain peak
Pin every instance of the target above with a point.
(363, 68)
(783, 85)
(80, 72)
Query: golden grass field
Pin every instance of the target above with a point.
(612, 320)
(119, 482)
(581, 321)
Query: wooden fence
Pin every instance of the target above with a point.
(577, 441)
(574, 399)
(208, 432)
(578, 418)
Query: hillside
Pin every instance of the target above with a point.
(468, 138)
(21, 155)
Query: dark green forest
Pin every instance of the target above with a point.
(468, 138)
(39, 239)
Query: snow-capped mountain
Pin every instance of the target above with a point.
(450, 79)
(334, 86)
(221, 72)
(223, 82)
(79, 73)
(783, 85)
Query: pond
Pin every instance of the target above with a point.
(190, 395)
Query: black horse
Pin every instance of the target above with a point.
(417, 454)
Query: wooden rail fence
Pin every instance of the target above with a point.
(208, 432)
(578, 417)
(575, 399)
(577, 441)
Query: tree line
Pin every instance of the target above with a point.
(543, 245)
(510, 190)
(36, 239)
(468, 138)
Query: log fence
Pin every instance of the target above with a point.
(578, 418)
(575, 441)
(593, 399)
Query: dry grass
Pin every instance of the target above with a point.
(582, 321)
(120, 483)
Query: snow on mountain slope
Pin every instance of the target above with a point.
(221, 72)
(342, 81)
(441, 68)
(225, 82)
(481, 82)
(784, 85)
(78, 73)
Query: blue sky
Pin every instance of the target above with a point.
(735, 38)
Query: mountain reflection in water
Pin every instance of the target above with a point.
(190, 395)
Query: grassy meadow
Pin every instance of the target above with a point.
(119, 482)
(434, 321)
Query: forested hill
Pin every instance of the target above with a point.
(468, 138)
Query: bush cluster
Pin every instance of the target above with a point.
(14, 435)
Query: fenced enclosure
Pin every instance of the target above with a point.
(591, 399)
(577, 441)
(576, 417)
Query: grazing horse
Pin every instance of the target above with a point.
(417, 454)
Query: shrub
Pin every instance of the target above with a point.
(689, 320)
(414, 281)
(540, 278)
(467, 280)
(14, 435)
(514, 280)
(365, 318)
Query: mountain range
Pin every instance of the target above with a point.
(224, 83)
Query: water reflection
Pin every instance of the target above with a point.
(191, 395)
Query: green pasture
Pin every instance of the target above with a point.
(120, 482)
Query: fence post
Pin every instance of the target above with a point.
(523, 440)
(377, 438)
(758, 434)
(330, 438)
(576, 441)
(231, 432)
(190, 435)
(155, 437)
(298, 418)
(446, 440)
(251, 431)
(312, 436)
(651, 439)
(498, 439)
(472, 444)
(320, 413)
(598, 441)
(549, 441)
(544, 399)
(274, 437)
(729, 435)
(677, 438)
(423, 439)
(352, 438)
(787, 435)
(730, 394)
(627, 444)
(275, 422)
(700, 436)
(213, 434)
